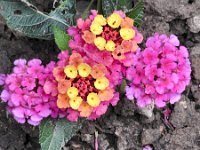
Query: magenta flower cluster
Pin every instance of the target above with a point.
(160, 73)
(156, 75)
(78, 44)
(73, 115)
(24, 91)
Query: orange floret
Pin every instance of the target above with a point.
(58, 73)
(88, 37)
(106, 94)
(127, 46)
(85, 109)
(127, 23)
(119, 53)
(63, 85)
(63, 101)
(98, 71)
(75, 59)
(135, 46)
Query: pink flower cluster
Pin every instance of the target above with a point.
(92, 54)
(160, 73)
(113, 76)
(147, 147)
(77, 43)
(29, 91)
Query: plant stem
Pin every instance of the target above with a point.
(86, 11)
(99, 8)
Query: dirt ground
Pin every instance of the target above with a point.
(122, 128)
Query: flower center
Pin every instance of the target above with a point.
(111, 34)
(84, 86)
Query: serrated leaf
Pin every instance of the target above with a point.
(27, 20)
(137, 13)
(61, 38)
(108, 6)
(55, 133)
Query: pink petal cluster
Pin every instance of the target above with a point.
(160, 73)
(92, 55)
(78, 44)
(29, 91)
(147, 147)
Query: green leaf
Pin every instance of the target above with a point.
(123, 86)
(87, 10)
(55, 133)
(24, 18)
(137, 13)
(61, 38)
(109, 6)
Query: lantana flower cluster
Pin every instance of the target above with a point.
(160, 73)
(24, 91)
(84, 88)
(84, 84)
(112, 38)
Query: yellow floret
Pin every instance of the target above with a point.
(72, 92)
(75, 102)
(93, 99)
(100, 43)
(101, 83)
(114, 20)
(100, 19)
(127, 33)
(96, 28)
(84, 70)
(71, 71)
(110, 46)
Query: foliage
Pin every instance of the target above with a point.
(54, 134)
(24, 18)
(137, 13)
(87, 10)
(61, 38)
(108, 6)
